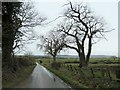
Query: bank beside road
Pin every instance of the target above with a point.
(22, 70)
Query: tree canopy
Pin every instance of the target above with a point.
(53, 43)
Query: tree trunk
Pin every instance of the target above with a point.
(7, 45)
(7, 55)
(82, 62)
(54, 58)
(89, 50)
(7, 35)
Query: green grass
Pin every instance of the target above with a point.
(10, 79)
(103, 59)
(66, 76)
(97, 68)
(85, 80)
(48, 60)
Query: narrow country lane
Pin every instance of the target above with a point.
(42, 78)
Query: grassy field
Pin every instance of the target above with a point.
(102, 75)
(75, 59)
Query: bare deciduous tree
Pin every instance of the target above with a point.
(29, 18)
(84, 28)
(53, 43)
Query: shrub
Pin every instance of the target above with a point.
(56, 65)
(40, 61)
(23, 61)
(94, 62)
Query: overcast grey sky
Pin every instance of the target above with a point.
(108, 10)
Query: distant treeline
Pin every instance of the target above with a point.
(72, 56)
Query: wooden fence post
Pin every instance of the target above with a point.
(82, 72)
(71, 67)
(67, 67)
(109, 75)
(92, 72)
(75, 70)
(102, 72)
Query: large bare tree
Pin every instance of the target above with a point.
(84, 29)
(53, 43)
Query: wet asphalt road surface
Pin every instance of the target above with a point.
(42, 78)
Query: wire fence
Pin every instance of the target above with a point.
(99, 76)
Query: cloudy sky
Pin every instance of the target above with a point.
(54, 8)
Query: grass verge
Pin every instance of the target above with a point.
(10, 79)
(66, 76)
(84, 78)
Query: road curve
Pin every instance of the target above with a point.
(42, 78)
